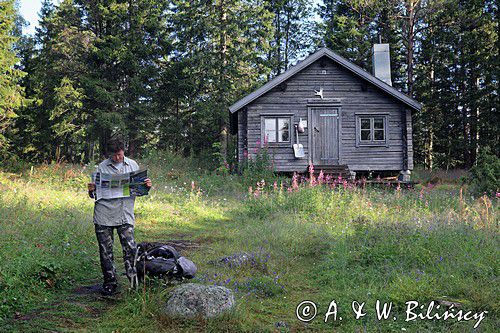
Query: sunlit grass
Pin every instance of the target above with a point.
(310, 242)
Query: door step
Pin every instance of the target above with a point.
(332, 170)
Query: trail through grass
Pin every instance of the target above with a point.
(312, 243)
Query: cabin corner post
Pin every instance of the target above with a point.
(405, 173)
(242, 138)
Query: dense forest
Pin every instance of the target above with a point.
(163, 73)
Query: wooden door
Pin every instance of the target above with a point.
(324, 131)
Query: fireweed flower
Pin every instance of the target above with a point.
(321, 177)
(295, 185)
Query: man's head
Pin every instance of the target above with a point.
(116, 150)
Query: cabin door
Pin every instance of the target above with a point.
(324, 131)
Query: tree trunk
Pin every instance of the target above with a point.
(222, 80)
(410, 8)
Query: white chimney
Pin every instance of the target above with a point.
(381, 61)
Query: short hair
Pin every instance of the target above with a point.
(114, 146)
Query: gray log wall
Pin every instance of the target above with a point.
(340, 89)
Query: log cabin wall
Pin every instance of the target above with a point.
(341, 88)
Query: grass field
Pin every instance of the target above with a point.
(307, 242)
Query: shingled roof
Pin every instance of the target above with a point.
(337, 59)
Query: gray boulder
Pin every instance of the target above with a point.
(191, 299)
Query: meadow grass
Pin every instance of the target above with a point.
(303, 242)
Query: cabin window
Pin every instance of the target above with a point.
(276, 129)
(371, 130)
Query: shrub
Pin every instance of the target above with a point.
(258, 168)
(485, 175)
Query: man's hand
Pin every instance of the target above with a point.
(148, 182)
(91, 187)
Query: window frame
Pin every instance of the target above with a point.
(276, 116)
(372, 142)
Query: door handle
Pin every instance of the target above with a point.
(316, 129)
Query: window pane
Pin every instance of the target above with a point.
(284, 136)
(379, 135)
(270, 124)
(365, 135)
(378, 123)
(365, 123)
(270, 136)
(284, 129)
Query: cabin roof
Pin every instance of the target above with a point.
(337, 59)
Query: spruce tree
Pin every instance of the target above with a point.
(10, 91)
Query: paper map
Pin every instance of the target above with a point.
(112, 186)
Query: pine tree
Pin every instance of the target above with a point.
(293, 29)
(124, 67)
(217, 57)
(456, 80)
(347, 28)
(10, 91)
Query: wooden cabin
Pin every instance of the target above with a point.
(343, 116)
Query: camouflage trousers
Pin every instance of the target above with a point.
(105, 239)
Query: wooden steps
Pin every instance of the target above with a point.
(332, 170)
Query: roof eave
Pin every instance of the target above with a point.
(336, 58)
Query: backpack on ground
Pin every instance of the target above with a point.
(162, 261)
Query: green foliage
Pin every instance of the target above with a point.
(292, 33)
(258, 167)
(262, 286)
(485, 175)
(10, 91)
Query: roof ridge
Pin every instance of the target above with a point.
(301, 64)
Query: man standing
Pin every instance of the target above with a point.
(110, 214)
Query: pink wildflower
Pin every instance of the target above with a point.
(312, 180)
(193, 185)
(245, 153)
(328, 179)
(295, 185)
(275, 185)
(321, 177)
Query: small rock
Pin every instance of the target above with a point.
(449, 303)
(189, 300)
(280, 324)
(235, 260)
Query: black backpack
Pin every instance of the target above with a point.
(162, 261)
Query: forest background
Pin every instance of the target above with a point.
(162, 74)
